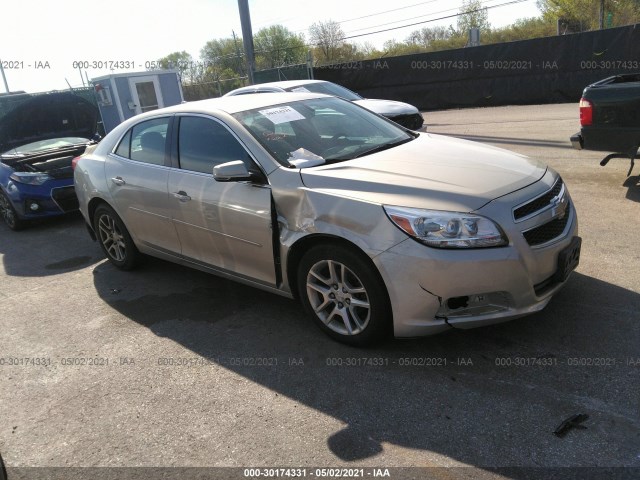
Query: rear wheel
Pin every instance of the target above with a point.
(8, 213)
(345, 295)
(114, 238)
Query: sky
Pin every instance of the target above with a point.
(41, 39)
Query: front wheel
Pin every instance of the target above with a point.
(114, 238)
(345, 295)
(8, 213)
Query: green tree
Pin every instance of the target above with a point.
(425, 37)
(586, 13)
(394, 48)
(472, 15)
(522, 29)
(224, 54)
(277, 46)
(181, 61)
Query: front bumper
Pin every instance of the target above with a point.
(433, 290)
(412, 121)
(55, 197)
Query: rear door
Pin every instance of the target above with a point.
(137, 175)
(225, 225)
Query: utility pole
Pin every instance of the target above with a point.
(601, 14)
(238, 56)
(247, 37)
(4, 79)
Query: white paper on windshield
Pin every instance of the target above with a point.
(281, 114)
(299, 89)
(302, 158)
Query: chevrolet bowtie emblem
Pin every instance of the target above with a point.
(558, 206)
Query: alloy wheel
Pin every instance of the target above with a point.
(7, 212)
(338, 297)
(112, 238)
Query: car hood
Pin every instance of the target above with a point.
(432, 171)
(387, 107)
(47, 116)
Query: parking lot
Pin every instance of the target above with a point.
(167, 366)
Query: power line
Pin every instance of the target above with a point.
(307, 45)
(386, 11)
(433, 19)
(405, 19)
(349, 34)
(367, 16)
(428, 15)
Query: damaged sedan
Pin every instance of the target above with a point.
(378, 230)
(38, 141)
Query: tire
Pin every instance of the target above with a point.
(114, 238)
(345, 295)
(9, 214)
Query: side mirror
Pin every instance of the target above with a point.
(235, 171)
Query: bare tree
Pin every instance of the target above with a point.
(328, 37)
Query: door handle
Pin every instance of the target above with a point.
(118, 181)
(182, 196)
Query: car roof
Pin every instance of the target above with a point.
(283, 85)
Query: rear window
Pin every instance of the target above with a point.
(146, 142)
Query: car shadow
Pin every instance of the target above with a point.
(633, 188)
(48, 247)
(453, 394)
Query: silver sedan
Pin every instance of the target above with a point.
(379, 231)
(402, 113)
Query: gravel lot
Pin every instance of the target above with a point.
(170, 367)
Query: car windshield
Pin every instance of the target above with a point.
(42, 145)
(327, 88)
(319, 131)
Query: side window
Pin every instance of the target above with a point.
(124, 148)
(148, 140)
(203, 143)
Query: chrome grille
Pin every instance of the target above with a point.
(538, 204)
(548, 231)
(65, 198)
(411, 121)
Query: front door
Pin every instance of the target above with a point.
(225, 225)
(146, 94)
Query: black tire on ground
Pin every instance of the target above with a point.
(9, 215)
(114, 238)
(345, 295)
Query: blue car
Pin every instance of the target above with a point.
(38, 142)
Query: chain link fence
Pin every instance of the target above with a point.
(217, 88)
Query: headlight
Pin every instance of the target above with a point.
(440, 229)
(30, 178)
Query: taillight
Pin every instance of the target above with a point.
(586, 112)
(74, 162)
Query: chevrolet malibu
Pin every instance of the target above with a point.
(378, 231)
